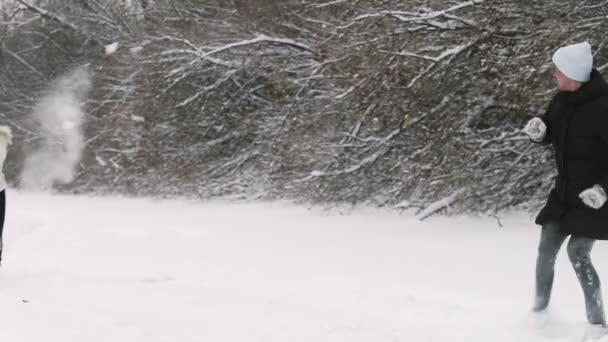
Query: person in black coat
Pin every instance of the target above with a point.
(576, 125)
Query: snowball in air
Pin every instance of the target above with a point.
(111, 48)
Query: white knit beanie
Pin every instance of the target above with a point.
(575, 61)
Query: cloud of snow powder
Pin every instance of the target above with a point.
(59, 117)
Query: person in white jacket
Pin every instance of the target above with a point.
(6, 138)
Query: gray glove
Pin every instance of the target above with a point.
(594, 197)
(536, 129)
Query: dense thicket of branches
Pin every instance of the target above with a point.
(382, 102)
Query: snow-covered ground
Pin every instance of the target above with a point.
(111, 269)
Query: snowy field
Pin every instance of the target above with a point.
(111, 269)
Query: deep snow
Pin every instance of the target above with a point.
(112, 269)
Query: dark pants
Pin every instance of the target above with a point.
(2, 216)
(579, 250)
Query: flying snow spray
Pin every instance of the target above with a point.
(59, 117)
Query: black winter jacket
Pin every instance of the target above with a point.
(577, 127)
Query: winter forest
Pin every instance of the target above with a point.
(373, 102)
(302, 170)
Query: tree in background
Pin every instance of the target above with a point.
(386, 103)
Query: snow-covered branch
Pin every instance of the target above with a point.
(406, 16)
(257, 40)
(438, 205)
